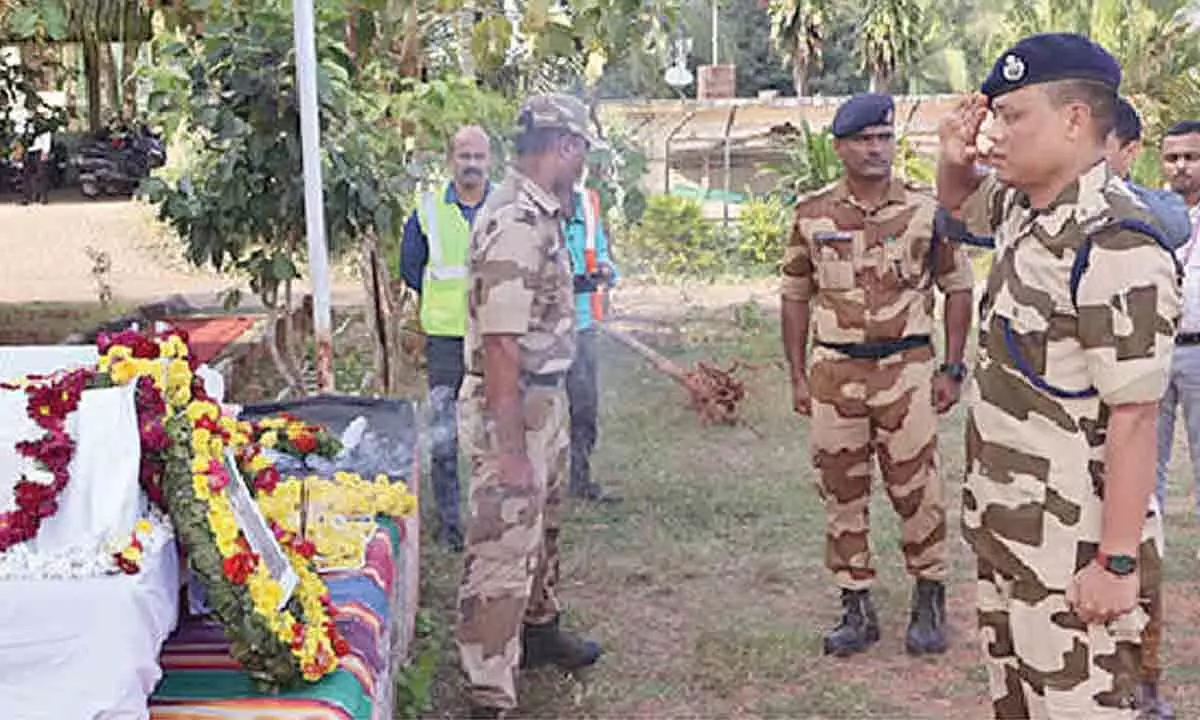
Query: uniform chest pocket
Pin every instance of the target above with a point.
(834, 260)
(908, 260)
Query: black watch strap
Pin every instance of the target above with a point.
(957, 371)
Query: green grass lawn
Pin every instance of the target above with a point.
(42, 323)
(707, 586)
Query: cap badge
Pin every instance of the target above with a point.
(1014, 68)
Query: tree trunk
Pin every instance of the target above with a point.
(879, 81)
(108, 62)
(382, 314)
(91, 69)
(69, 62)
(409, 46)
(464, 29)
(800, 74)
(129, 53)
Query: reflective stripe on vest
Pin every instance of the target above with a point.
(444, 287)
(591, 217)
(591, 221)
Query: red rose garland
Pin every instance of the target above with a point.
(51, 401)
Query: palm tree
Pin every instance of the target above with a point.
(1155, 43)
(798, 31)
(891, 36)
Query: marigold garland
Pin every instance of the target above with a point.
(276, 647)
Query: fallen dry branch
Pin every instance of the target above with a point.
(714, 393)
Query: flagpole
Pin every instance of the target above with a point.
(314, 203)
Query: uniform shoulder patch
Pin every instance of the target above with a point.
(808, 202)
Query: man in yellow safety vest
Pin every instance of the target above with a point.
(433, 260)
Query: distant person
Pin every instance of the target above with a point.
(35, 179)
(861, 265)
(1181, 163)
(586, 240)
(433, 262)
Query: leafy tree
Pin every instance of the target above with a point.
(891, 37)
(240, 202)
(798, 31)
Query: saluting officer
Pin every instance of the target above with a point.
(1076, 334)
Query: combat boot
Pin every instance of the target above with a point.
(927, 622)
(1151, 705)
(858, 628)
(548, 645)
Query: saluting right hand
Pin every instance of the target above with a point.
(959, 130)
(801, 399)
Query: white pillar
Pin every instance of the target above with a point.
(314, 201)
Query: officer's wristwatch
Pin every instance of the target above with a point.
(956, 371)
(1117, 564)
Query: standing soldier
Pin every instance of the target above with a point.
(864, 256)
(593, 270)
(1076, 334)
(433, 259)
(519, 345)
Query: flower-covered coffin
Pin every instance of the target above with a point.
(69, 463)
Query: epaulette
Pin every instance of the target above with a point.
(818, 194)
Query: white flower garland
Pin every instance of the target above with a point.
(20, 563)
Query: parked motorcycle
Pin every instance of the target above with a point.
(115, 162)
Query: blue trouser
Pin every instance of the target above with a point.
(1182, 389)
(444, 366)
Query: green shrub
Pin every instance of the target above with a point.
(762, 232)
(674, 239)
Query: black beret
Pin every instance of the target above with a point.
(862, 111)
(1048, 57)
(1128, 124)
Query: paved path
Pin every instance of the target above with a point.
(44, 255)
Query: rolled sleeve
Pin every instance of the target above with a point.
(504, 276)
(797, 270)
(1129, 304)
(954, 273)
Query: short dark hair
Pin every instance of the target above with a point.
(1127, 124)
(1185, 127)
(1101, 99)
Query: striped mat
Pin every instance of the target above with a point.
(202, 681)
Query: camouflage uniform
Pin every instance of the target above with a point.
(869, 277)
(1036, 435)
(521, 285)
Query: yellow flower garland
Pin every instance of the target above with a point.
(341, 511)
(311, 642)
(273, 644)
